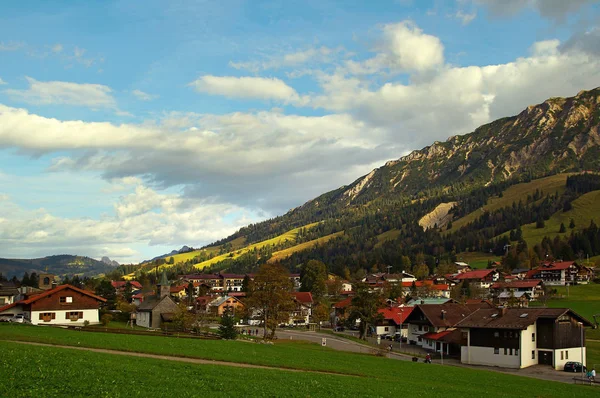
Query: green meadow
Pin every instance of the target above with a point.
(54, 371)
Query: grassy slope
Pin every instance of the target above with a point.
(108, 375)
(281, 254)
(585, 208)
(476, 260)
(387, 236)
(549, 185)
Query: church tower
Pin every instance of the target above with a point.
(163, 288)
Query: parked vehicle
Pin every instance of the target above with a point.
(575, 367)
(18, 318)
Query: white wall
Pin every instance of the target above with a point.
(527, 346)
(574, 355)
(59, 319)
(380, 330)
(486, 356)
(142, 319)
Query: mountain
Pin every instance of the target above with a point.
(110, 262)
(402, 213)
(60, 265)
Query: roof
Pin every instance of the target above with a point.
(517, 284)
(8, 289)
(396, 314)
(233, 276)
(344, 303)
(447, 336)
(429, 284)
(476, 274)
(452, 313)
(120, 284)
(508, 295)
(515, 318)
(519, 271)
(151, 301)
(304, 297)
(163, 280)
(556, 266)
(53, 291)
(177, 289)
(221, 300)
(428, 300)
(201, 276)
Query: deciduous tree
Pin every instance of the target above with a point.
(364, 308)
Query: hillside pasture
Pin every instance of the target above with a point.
(476, 260)
(514, 193)
(387, 236)
(585, 208)
(107, 374)
(282, 254)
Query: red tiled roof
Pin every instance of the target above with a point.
(344, 303)
(517, 284)
(556, 266)
(531, 273)
(233, 276)
(477, 274)
(177, 289)
(304, 297)
(120, 284)
(428, 284)
(436, 336)
(52, 291)
(396, 314)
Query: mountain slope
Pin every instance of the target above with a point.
(58, 265)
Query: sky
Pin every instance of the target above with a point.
(131, 128)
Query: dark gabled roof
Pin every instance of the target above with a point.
(515, 318)
(151, 302)
(8, 289)
(453, 313)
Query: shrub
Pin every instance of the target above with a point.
(105, 319)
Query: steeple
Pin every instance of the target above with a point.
(163, 288)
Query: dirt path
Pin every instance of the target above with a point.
(197, 361)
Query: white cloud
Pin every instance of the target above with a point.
(57, 48)
(465, 18)
(95, 96)
(311, 55)
(144, 96)
(11, 46)
(403, 47)
(2, 82)
(246, 88)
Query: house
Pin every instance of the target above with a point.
(556, 273)
(522, 337)
(393, 321)
(63, 305)
(157, 309)
(584, 275)
(46, 281)
(212, 281)
(340, 310)
(232, 282)
(225, 304)
(462, 267)
(120, 286)
(513, 299)
(482, 278)
(534, 288)
(8, 293)
(426, 320)
(428, 300)
(426, 288)
(303, 311)
(178, 292)
(519, 273)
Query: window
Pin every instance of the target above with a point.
(516, 351)
(562, 354)
(505, 351)
(420, 328)
(74, 315)
(387, 329)
(532, 336)
(510, 352)
(47, 316)
(67, 299)
(532, 354)
(496, 350)
(566, 354)
(496, 334)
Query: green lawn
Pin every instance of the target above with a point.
(476, 260)
(54, 372)
(281, 254)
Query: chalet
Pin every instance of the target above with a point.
(397, 278)
(519, 273)
(158, 309)
(426, 321)
(522, 337)
(556, 273)
(483, 278)
(178, 292)
(303, 311)
(225, 304)
(211, 281)
(462, 267)
(513, 299)
(63, 305)
(584, 275)
(8, 293)
(340, 310)
(120, 286)
(534, 288)
(232, 282)
(393, 320)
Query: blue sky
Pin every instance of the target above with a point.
(128, 128)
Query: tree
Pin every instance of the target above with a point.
(572, 224)
(105, 289)
(540, 223)
(421, 272)
(364, 308)
(26, 281)
(320, 312)
(270, 296)
(182, 318)
(562, 229)
(246, 284)
(313, 278)
(227, 328)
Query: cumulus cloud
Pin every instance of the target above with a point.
(94, 96)
(144, 96)
(311, 55)
(587, 42)
(552, 9)
(403, 47)
(246, 88)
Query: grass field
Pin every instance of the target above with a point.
(549, 185)
(281, 254)
(585, 208)
(387, 236)
(51, 371)
(476, 260)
